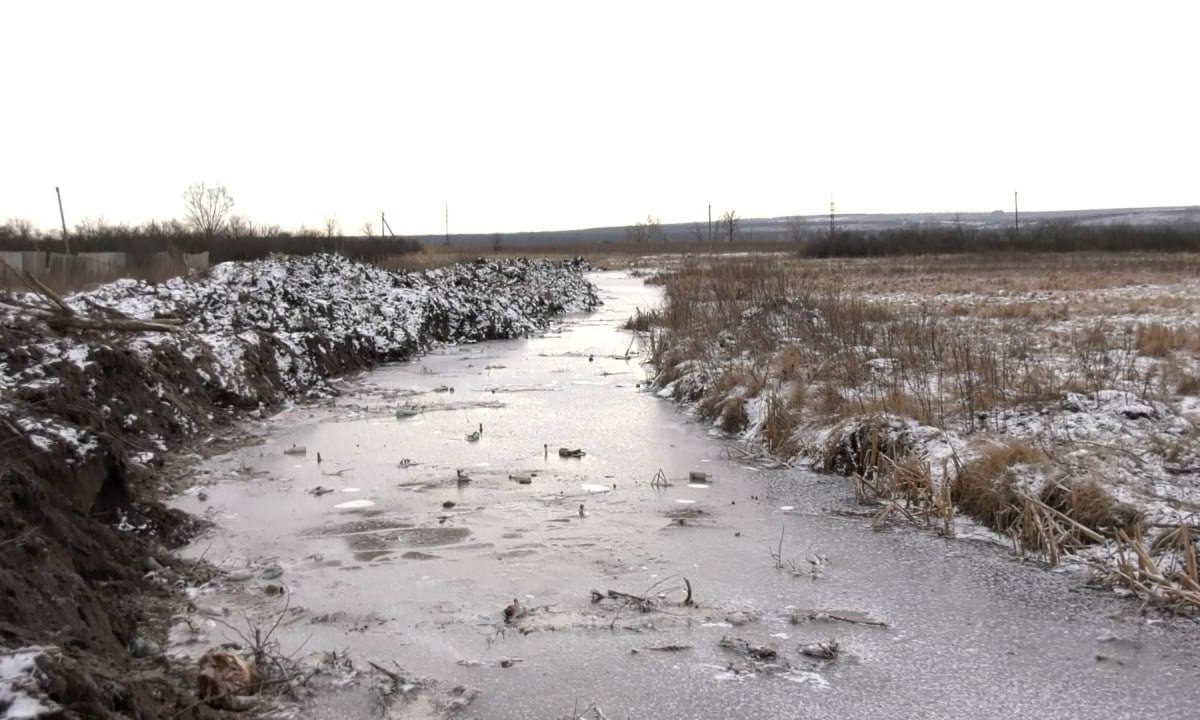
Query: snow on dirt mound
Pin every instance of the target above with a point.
(254, 332)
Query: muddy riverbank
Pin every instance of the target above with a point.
(420, 570)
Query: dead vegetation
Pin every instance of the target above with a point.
(235, 676)
(642, 321)
(944, 341)
(1171, 580)
(990, 357)
(987, 486)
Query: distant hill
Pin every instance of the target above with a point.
(793, 228)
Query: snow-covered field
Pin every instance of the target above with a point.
(1049, 377)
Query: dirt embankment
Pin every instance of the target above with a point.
(87, 417)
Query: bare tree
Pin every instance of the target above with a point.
(207, 209)
(331, 226)
(797, 229)
(239, 226)
(729, 223)
(89, 226)
(645, 231)
(20, 227)
(367, 229)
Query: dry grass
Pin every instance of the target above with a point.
(986, 487)
(859, 447)
(642, 321)
(945, 340)
(1090, 505)
(1165, 574)
(1007, 274)
(962, 343)
(779, 426)
(1157, 340)
(1065, 515)
(877, 453)
(731, 415)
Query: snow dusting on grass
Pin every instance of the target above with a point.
(1059, 386)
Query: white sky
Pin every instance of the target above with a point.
(570, 114)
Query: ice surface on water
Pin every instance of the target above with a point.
(354, 504)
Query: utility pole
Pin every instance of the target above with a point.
(1016, 213)
(447, 241)
(710, 222)
(63, 219)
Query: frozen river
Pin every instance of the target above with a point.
(385, 568)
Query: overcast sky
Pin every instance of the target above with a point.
(569, 114)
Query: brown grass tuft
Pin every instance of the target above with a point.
(779, 425)
(984, 487)
(1155, 340)
(732, 417)
(642, 321)
(858, 447)
(1090, 505)
(1067, 514)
